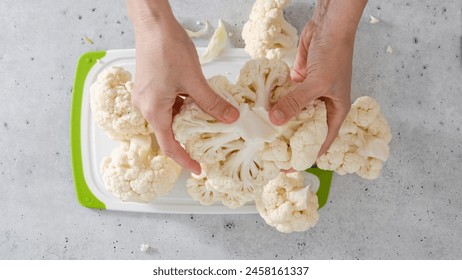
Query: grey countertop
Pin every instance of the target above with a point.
(411, 212)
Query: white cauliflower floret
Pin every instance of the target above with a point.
(110, 99)
(267, 33)
(136, 171)
(243, 156)
(287, 205)
(202, 190)
(362, 144)
(308, 139)
(197, 188)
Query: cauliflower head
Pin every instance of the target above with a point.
(135, 171)
(110, 100)
(240, 158)
(362, 144)
(267, 33)
(286, 204)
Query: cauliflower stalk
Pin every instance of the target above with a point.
(216, 45)
(136, 171)
(242, 157)
(110, 100)
(267, 33)
(362, 144)
(286, 204)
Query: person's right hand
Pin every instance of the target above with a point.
(167, 65)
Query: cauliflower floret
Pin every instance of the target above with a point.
(308, 139)
(198, 188)
(287, 205)
(203, 190)
(242, 157)
(362, 144)
(110, 99)
(136, 171)
(267, 33)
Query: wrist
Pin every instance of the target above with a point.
(147, 14)
(338, 19)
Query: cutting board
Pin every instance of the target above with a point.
(89, 144)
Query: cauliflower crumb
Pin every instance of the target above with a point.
(389, 50)
(374, 20)
(144, 247)
(89, 41)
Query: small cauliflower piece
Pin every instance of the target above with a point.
(144, 247)
(110, 100)
(374, 20)
(362, 144)
(267, 33)
(389, 50)
(242, 157)
(287, 205)
(216, 45)
(136, 171)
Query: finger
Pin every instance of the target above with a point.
(291, 104)
(299, 70)
(214, 104)
(335, 117)
(161, 121)
(287, 171)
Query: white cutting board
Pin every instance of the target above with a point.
(95, 144)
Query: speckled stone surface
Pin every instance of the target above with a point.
(413, 211)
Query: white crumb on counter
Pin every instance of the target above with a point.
(389, 50)
(374, 20)
(230, 34)
(144, 247)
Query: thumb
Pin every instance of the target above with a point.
(291, 104)
(213, 104)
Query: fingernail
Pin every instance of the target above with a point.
(230, 114)
(278, 115)
(196, 170)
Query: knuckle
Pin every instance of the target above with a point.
(169, 152)
(294, 103)
(211, 103)
(149, 113)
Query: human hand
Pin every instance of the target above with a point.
(323, 69)
(167, 65)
